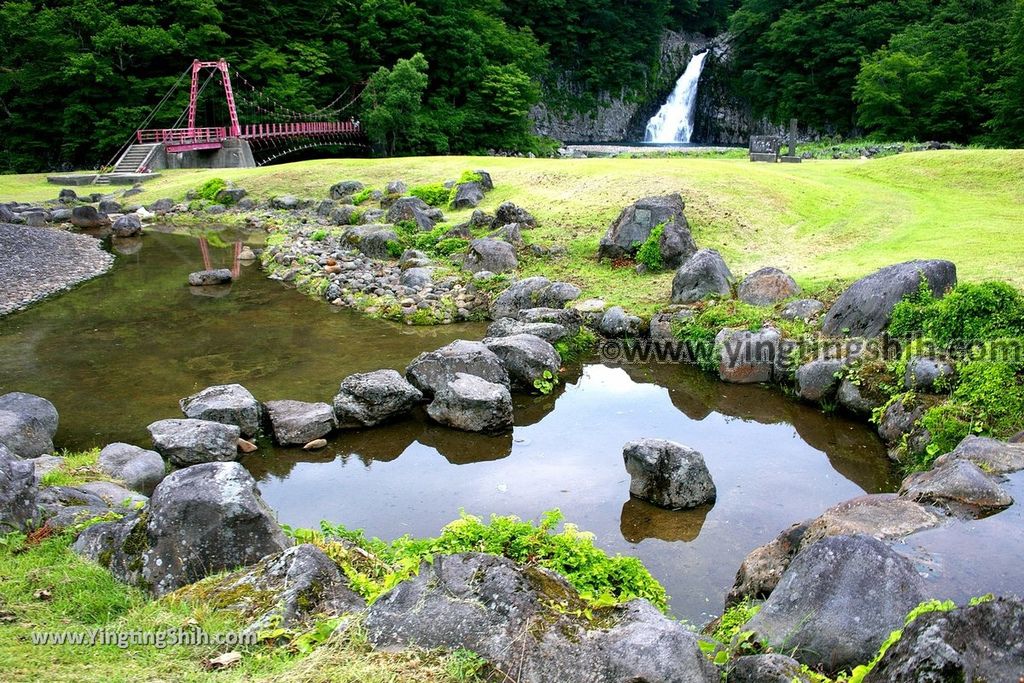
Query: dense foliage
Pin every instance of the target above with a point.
(445, 76)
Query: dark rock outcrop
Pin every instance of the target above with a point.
(207, 278)
(19, 504)
(532, 292)
(491, 255)
(668, 474)
(432, 370)
(634, 225)
(704, 275)
(370, 398)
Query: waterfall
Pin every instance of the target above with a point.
(674, 121)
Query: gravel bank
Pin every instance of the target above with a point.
(612, 149)
(37, 262)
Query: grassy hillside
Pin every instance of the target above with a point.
(821, 220)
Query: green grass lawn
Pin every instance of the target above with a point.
(820, 220)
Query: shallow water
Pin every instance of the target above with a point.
(118, 353)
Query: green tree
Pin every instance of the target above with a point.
(1007, 96)
(392, 101)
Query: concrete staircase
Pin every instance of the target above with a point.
(134, 159)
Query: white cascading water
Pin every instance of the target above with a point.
(674, 121)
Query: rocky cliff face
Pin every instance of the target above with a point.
(619, 116)
(723, 117)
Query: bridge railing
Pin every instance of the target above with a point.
(181, 136)
(267, 130)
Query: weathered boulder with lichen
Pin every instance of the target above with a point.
(370, 398)
(230, 404)
(19, 505)
(431, 371)
(472, 404)
(668, 474)
(637, 221)
(484, 603)
(526, 357)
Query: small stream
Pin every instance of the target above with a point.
(118, 352)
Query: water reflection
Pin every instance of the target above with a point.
(641, 520)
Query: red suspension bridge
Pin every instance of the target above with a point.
(249, 144)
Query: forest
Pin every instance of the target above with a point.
(460, 76)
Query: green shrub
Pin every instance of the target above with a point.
(319, 235)
(469, 177)
(601, 579)
(649, 252)
(211, 188)
(572, 349)
(361, 196)
(395, 248)
(452, 245)
(970, 314)
(435, 194)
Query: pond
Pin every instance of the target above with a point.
(118, 352)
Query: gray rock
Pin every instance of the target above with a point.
(371, 239)
(368, 399)
(412, 209)
(617, 323)
(838, 601)
(634, 225)
(467, 196)
(52, 498)
(200, 521)
(507, 327)
(32, 406)
(817, 380)
(286, 590)
(771, 668)
(971, 643)
(901, 429)
(668, 474)
(139, 469)
(87, 217)
(483, 603)
(864, 309)
(230, 196)
(508, 212)
(19, 495)
(704, 275)
(928, 374)
(24, 435)
(526, 357)
(568, 318)
(109, 206)
(767, 287)
(206, 278)
(230, 404)
(746, 357)
(162, 206)
(215, 209)
(992, 455)
(372, 216)
(345, 188)
(958, 485)
(883, 516)
(412, 255)
(511, 233)
(286, 203)
(532, 292)
(431, 371)
(112, 494)
(416, 278)
(60, 215)
(486, 183)
(45, 464)
(190, 442)
(296, 423)
(67, 195)
(473, 405)
(851, 397)
(492, 255)
(343, 214)
(396, 187)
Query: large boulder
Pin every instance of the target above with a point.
(704, 275)
(507, 614)
(491, 255)
(431, 371)
(746, 357)
(128, 225)
(210, 278)
(992, 455)
(416, 278)
(87, 217)
(526, 358)
(467, 196)
(802, 309)
(296, 423)
(372, 240)
(508, 212)
(864, 309)
(958, 485)
(882, 515)
(345, 188)
(767, 287)
(191, 442)
(634, 225)
(230, 404)
(615, 323)
(770, 668)
(19, 502)
(412, 209)
(532, 292)
(928, 374)
(818, 380)
(32, 434)
(568, 318)
(200, 521)
(857, 399)
(285, 590)
(507, 327)
(472, 404)
(370, 398)
(139, 469)
(972, 643)
(668, 474)
(838, 601)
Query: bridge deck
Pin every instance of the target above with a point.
(188, 139)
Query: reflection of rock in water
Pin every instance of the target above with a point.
(126, 246)
(463, 448)
(529, 409)
(640, 521)
(211, 291)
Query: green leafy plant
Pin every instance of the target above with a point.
(434, 194)
(318, 235)
(649, 253)
(361, 196)
(572, 349)
(546, 383)
(211, 188)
